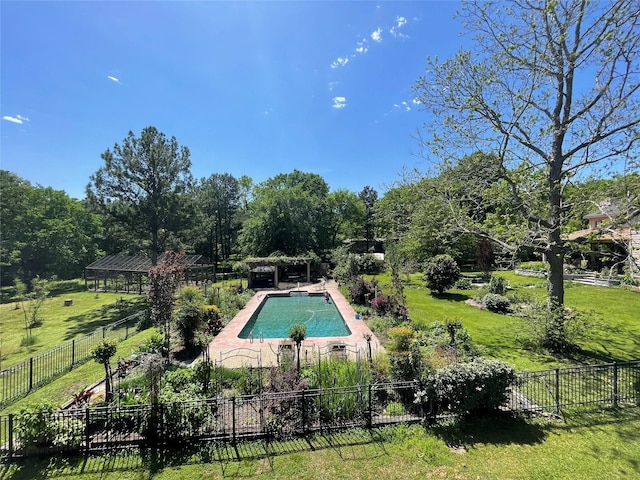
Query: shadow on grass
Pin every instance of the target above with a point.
(89, 322)
(153, 461)
(498, 429)
(451, 297)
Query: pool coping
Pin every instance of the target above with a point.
(231, 351)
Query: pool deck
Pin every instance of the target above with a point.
(232, 352)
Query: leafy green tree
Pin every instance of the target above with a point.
(345, 216)
(441, 273)
(143, 183)
(44, 232)
(369, 197)
(219, 201)
(550, 88)
(287, 215)
(189, 314)
(102, 354)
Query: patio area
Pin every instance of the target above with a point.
(232, 352)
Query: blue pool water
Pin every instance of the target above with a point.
(279, 312)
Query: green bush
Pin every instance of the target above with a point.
(496, 303)
(470, 387)
(43, 427)
(463, 284)
(441, 273)
(498, 285)
(535, 266)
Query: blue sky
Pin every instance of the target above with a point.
(252, 88)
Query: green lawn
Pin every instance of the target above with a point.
(586, 445)
(88, 312)
(613, 334)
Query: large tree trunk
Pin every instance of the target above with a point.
(555, 248)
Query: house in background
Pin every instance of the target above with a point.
(608, 246)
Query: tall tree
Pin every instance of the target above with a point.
(345, 215)
(287, 215)
(369, 197)
(219, 201)
(143, 183)
(164, 280)
(549, 86)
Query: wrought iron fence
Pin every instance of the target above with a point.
(287, 414)
(22, 378)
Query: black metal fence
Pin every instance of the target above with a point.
(22, 378)
(286, 414)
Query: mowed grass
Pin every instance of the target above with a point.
(586, 445)
(60, 390)
(613, 332)
(60, 324)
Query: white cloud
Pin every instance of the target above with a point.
(376, 36)
(402, 106)
(17, 119)
(114, 79)
(415, 101)
(395, 30)
(332, 85)
(340, 62)
(339, 102)
(361, 47)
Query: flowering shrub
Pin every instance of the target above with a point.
(469, 387)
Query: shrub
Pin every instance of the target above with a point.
(463, 284)
(361, 290)
(498, 285)
(368, 263)
(441, 273)
(44, 427)
(535, 266)
(468, 388)
(381, 305)
(496, 303)
(556, 330)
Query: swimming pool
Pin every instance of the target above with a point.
(277, 313)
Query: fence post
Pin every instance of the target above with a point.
(615, 384)
(73, 352)
(233, 419)
(304, 413)
(369, 408)
(87, 436)
(10, 436)
(30, 373)
(104, 331)
(557, 399)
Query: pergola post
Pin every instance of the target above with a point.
(308, 271)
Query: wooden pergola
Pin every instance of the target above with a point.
(128, 273)
(270, 271)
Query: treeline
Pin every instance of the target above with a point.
(144, 201)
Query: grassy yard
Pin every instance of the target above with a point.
(88, 312)
(613, 333)
(587, 445)
(60, 390)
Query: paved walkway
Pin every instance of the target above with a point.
(233, 352)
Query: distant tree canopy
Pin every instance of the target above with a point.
(44, 232)
(288, 215)
(144, 184)
(219, 209)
